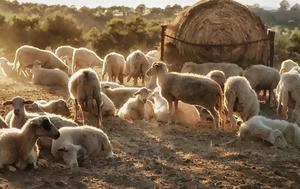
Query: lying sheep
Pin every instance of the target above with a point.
(43, 76)
(84, 141)
(240, 98)
(136, 66)
(65, 52)
(108, 108)
(113, 66)
(17, 145)
(8, 70)
(58, 107)
(218, 76)
(134, 108)
(229, 69)
(119, 95)
(112, 85)
(259, 127)
(26, 56)
(189, 88)
(186, 115)
(85, 58)
(287, 65)
(84, 88)
(262, 77)
(3, 123)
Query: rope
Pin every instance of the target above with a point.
(217, 45)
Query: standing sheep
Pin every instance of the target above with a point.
(189, 88)
(262, 77)
(136, 66)
(8, 70)
(134, 108)
(218, 76)
(85, 58)
(287, 65)
(26, 56)
(84, 88)
(240, 98)
(229, 69)
(17, 144)
(65, 52)
(84, 141)
(113, 65)
(44, 76)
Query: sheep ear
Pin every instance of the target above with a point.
(106, 87)
(136, 93)
(7, 103)
(28, 102)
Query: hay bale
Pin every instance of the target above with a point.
(216, 22)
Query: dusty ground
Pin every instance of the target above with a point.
(160, 156)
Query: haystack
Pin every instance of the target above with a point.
(217, 31)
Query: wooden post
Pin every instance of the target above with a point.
(271, 36)
(162, 41)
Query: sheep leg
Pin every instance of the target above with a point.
(11, 168)
(120, 78)
(76, 109)
(170, 105)
(215, 115)
(175, 110)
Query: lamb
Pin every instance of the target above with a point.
(240, 98)
(259, 127)
(43, 76)
(262, 77)
(7, 69)
(17, 145)
(187, 114)
(26, 56)
(84, 141)
(84, 88)
(112, 85)
(218, 76)
(58, 107)
(134, 108)
(229, 69)
(65, 52)
(287, 65)
(85, 58)
(189, 88)
(113, 65)
(119, 95)
(136, 66)
(3, 123)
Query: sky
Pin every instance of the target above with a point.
(149, 3)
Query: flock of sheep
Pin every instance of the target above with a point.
(224, 90)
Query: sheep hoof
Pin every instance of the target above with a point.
(11, 168)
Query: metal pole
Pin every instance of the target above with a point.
(271, 36)
(162, 41)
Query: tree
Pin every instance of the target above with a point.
(295, 7)
(284, 5)
(140, 9)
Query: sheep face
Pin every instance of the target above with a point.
(143, 94)
(70, 153)
(18, 104)
(44, 127)
(278, 139)
(156, 68)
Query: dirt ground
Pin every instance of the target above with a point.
(159, 156)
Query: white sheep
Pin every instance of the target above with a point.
(119, 95)
(85, 58)
(44, 76)
(58, 107)
(26, 56)
(287, 65)
(113, 66)
(187, 114)
(112, 85)
(260, 127)
(17, 145)
(84, 88)
(84, 141)
(218, 76)
(65, 52)
(153, 53)
(136, 66)
(134, 108)
(189, 88)
(8, 70)
(240, 98)
(229, 69)
(262, 77)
